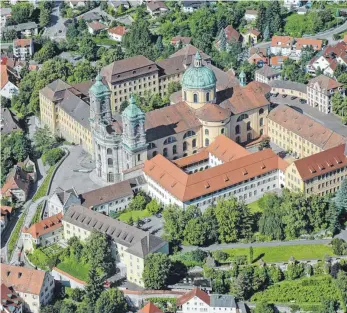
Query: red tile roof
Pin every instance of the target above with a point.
(184, 40)
(278, 60)
(212, 113)
(45, 226)
(118, 30)
(150, 308)
(196, 292)
(325, 82)
(321, 163)
(22, 42)
(16, 179)
(9, 299)
(4, 76)
(282, 41)
(231, 33)
(95, 25)
(316, 44)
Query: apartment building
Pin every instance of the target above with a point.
(130, 245)
(299, 134)
(23, 49)
(222, 170)
(321, 173)
(281, 45)
(267, 74)
(34, 287)
(10, 301)
(43, 233)
(320, 91)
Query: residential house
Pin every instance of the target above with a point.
(29, 167)
(251, 15)
(17, 184)
(291, 4)
(34, 287)
(198, 300)
(282, 45)
(321, 173)
(232, 34)
(8, 122)
(23, 49)
(267, 74)
(156, 8)
(23, 30)
(124, 3)
(328, 59)
(10, 301)
(95, 27)
(6, 213)
(8, 83)
(204, 178)
(60, 201)
(91, 16)
(4, 14)
(191, 6)
(302, 43)
(251, 37)
(117, 33)
(74, 4)
(258, 59)
(180, 40)
(130, 245)
(320, 91)
(277, 61)
(296, 132)
(150, 308)
(43, 233)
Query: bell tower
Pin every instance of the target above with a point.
(134, 136)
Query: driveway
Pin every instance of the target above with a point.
(329, 120)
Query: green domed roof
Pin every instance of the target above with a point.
(198, 76)
(132, 110)
(99, 89)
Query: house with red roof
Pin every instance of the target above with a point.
(150, 308)
(117, 33)
(7, 84)
(251, 37)
(23, 49)
(95, 27)
(6, 212)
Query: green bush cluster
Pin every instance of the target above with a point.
(42, 260)
(15, 234)
(37, 215)
(192, 258)
(42, 191)
(52, 156)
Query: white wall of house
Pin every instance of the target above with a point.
(9, 90)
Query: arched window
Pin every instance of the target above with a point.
(174, 149)
(110, 177)
(249, 136)
(185, 146)
(207, 97)
(248, 125)
(242, 117)
(154, 154)
(237, 129)
(151, 145)
(169, 140)
(207, 132)
(185, 95)
(189, 133)
(261, 111)
(195, 98)
(222, 131)
(261, 122)
(137, 129)
(207, 142)
(194, 143)
(238, 140)
(165, 152)
(109, 162)
(109, 151)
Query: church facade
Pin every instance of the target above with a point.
(121, 143)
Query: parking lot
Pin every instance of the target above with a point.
(154, 226)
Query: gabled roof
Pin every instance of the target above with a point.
(316, 44)
(189, 51)
(8, 122)
(16, 179)
(212, 113)
(22, 42)
(325, 82)
(184, 40)
(22, 279)
(196, 292)
(118, 30)
(282, 41)
(95, 25)
(45, 226)
(321, 163)
(231, 33)
(268, 72)
(10, 300)
(222, 301)
(64, 195)
(156, 5)
(150, 308)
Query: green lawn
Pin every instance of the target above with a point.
(105, 41)
(254, 206)
(124, 217)
(283, 253)
(74, 268)
(15, 234)
(306, 291)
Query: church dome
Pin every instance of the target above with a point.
(99, 89)
(198, 76)
(132, 111)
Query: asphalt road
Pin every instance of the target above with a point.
(56, 30)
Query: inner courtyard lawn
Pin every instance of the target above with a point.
(283, 253)
(136, 215)
(76, 269)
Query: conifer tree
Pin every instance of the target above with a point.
(341, 197)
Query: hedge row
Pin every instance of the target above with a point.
(42, 191)
(15, 234)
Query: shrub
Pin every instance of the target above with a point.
(339, 246)
(153, 207)
(220, 256)
(15, 234)
(52, 156)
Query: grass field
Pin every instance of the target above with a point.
(134, 214)
(254, 206)
(74, 268)
(283, 253)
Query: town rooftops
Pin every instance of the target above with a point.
(231, 33)
(321, 163)
(286, 84)
(316, 44)
(118, 30)
(184, 40)
(45, 226)
(278, 60)
(282, 41)
(268, 72)
(325, 83)
(22, 27)
(22, 279)
(212, 113)
(196, 292)
(247, 98)
(305, 127)
(22, 42)
(186, 187)
(16, 179)
(190, 50)
(64, 195)
(8, 123)
(150, 308)
(96, 26)
(139, 242)
(106, 194)
(222, 301)
(10, 301)
(156, 5)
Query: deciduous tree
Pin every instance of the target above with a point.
(111, 301)
(156, 271)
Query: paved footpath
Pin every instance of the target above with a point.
(221, 246)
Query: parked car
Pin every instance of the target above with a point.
(284, 96)
(146, 220)
(302, 101)
(158, 215)
(293, 98)
(275, 94)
